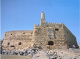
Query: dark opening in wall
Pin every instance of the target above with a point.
(47, 26)
(11, 34)
(23, 33)
(8, 43)
(50, 43)
(19, 43)
(12, 46)
(56, 29)
(31, 33)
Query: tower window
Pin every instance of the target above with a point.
(56, 29)
(11, 34)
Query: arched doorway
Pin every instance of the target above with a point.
(51, 44)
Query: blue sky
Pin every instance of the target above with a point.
(23, 14)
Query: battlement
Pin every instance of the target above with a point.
(49, 24)
(36, 25)
(54, 23)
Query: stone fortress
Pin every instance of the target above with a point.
(47, 35)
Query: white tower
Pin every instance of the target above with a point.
(42, 21)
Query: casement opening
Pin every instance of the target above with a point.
(12, 46)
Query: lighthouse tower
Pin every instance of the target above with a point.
(42, 21)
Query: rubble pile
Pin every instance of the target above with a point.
(47, 54)
(25, 52)
(57, 54)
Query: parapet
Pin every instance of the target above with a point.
(19, 31)
(52, 23)
(20, 34)
(49, 24)
(36, 25)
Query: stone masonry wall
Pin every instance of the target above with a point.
(70, 37)
(46, 33)
(17, 40)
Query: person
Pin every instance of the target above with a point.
(73, 46)
(79, 46)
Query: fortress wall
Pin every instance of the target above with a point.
(14, 38)
(41, 35)
(70, 37)
(17, 34)
(46, 35)
(15, 44)
(59, 37)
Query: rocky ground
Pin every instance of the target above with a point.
(48, 54)
(58, 54)
(14, 57)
